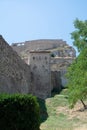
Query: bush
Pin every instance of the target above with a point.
(19, 112)
(52, 55)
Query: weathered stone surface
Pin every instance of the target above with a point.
(56, 81)
(40, 73)
(14, 73)
(61, 64)
(63, 54)
(56, 46)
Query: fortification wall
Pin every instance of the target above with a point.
(40, 73)
(14, 73)
(61, 64)
(62, 61)
(56, 81)
(27, 46)
(43, 73)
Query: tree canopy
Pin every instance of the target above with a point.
(77, 79)
(77, 72)
(80, 34)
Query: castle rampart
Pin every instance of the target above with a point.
(40, 73)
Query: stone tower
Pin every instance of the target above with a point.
(40, 73)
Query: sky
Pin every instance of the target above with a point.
(23, 20)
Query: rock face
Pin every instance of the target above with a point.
(14, 73)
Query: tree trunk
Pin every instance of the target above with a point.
(85, 107)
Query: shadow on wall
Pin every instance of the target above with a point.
(56, 81)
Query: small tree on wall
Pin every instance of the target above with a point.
(77, 72)
(52, 55)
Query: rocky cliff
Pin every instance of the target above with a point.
(14, 73)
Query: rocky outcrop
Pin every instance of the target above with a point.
(14, 73)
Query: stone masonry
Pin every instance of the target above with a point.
(43, 72)
(40, 73)
(14, 72)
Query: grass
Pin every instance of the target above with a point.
(55, 114)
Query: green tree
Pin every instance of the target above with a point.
(80, 34)
(77, 79)
(77, 72)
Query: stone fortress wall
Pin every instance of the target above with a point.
(40, 73)
(63, 57)
(55, 45)
(14, 72)
(42, 44)
(43, 72)
(60, 65)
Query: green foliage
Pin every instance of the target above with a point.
(77, 72)
(19, 112)
(77, 78)
(52, 55)
(80, 34)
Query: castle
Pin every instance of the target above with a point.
(47, 62)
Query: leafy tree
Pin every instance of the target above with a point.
(77, 72)
(80, 34)
(77, 79)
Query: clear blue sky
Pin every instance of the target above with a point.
(22, 20)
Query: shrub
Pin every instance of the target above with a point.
(52, 55)
(19, 112)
